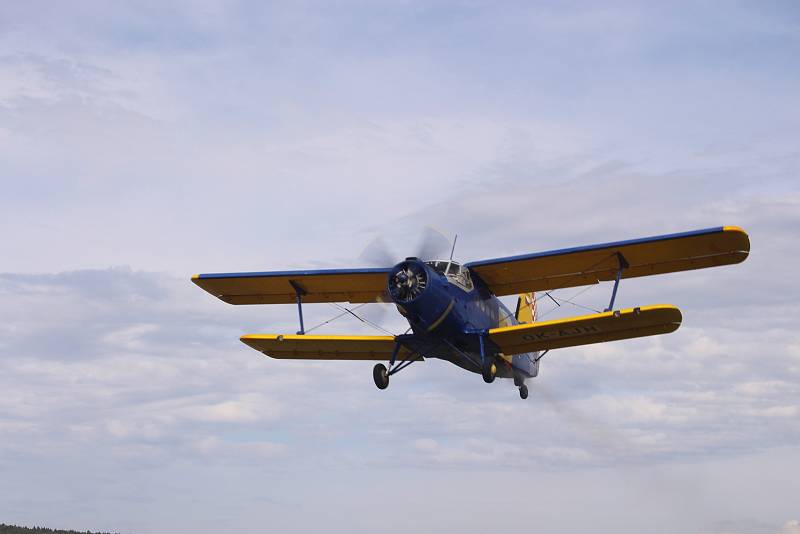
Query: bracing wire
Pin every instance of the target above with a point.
(363, 320)
(332, 319)
(569, 300)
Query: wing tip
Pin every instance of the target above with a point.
(253, 341)
(742, 240)
(732, 228)
(675, 316)
(253, 337)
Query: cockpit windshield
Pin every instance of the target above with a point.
(454, 272)
(440, 265)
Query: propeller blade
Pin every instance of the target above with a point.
(433, 244)
(378, 254)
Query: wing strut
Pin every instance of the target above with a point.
(623, 264)
(299, 291)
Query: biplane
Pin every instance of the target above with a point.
(454, 312)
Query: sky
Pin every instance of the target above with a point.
(141, 143)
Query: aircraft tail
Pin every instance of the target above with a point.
(526, 313)
(526, 308)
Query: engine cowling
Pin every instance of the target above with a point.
(422, 295)
(408, 281)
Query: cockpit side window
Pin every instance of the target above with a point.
(463, 279)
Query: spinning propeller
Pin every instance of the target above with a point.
(410, 281)
(432, 244)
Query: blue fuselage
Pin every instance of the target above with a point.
(451, 313)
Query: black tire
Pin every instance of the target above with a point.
(489, 371)
(381, 376)
(523, 392)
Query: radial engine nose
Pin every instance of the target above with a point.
(407, 280)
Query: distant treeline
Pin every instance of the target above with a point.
(13, 529)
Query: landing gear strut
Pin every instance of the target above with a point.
(381, 374)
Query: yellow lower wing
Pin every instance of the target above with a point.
(588, 329)
(305, 347)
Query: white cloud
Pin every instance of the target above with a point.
(248, 408)
(212, 446)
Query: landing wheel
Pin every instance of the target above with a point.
(523, 391)
(381, 376)
(489, 371)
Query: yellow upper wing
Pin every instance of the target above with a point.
(588, 329)
(595, 263)
(279, 287)
(308, 347)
